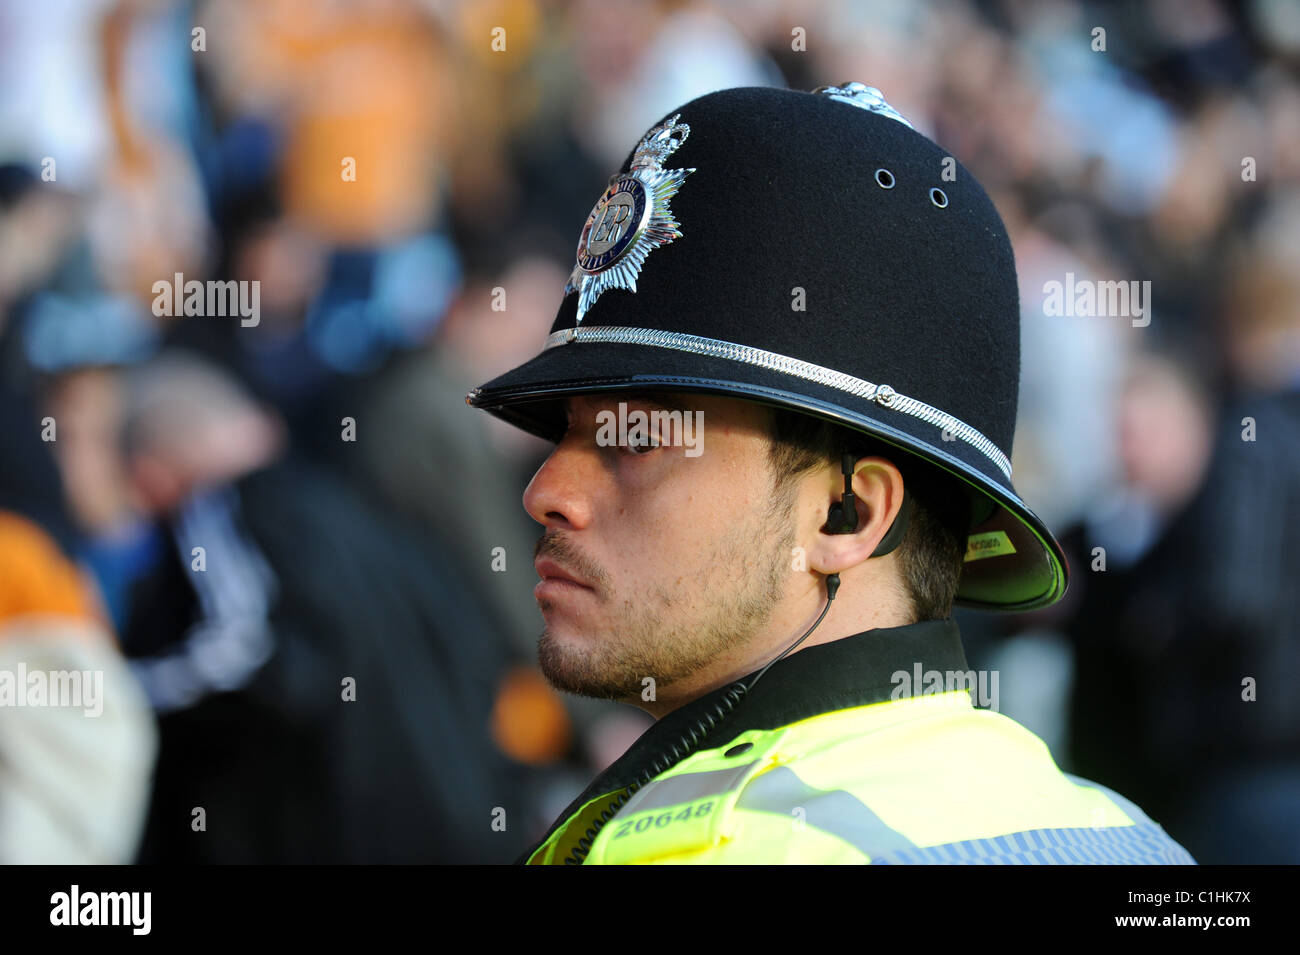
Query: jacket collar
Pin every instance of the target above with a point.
(853, 671)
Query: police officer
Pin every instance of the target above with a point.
(782, 385)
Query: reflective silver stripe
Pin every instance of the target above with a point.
(882, 395)
(685, 788)
(1143, 844)
(835, 811)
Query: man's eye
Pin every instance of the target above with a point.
(642, 445)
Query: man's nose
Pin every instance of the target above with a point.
(560, 493)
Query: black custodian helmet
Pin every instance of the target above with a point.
(810, 251)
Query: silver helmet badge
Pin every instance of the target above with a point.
(630, 219)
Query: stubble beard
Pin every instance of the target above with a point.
(651, 640)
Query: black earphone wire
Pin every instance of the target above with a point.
(832, 586)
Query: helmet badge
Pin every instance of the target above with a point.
(863, 97)
(630, 219)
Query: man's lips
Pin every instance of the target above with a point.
(553, 573)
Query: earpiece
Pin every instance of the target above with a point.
(843, 517)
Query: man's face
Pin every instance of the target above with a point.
(680, 558)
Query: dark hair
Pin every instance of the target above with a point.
(932, 550)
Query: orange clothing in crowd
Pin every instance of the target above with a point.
(35, 576)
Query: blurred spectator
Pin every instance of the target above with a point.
(1186, 616)
(74, 771)
(323, 680)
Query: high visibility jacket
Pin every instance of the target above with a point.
(836, 757)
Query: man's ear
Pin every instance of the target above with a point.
(878, 496)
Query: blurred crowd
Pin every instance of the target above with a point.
(301, 562)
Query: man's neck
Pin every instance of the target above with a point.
(841, 621)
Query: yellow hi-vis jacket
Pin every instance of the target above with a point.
(835, 756)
